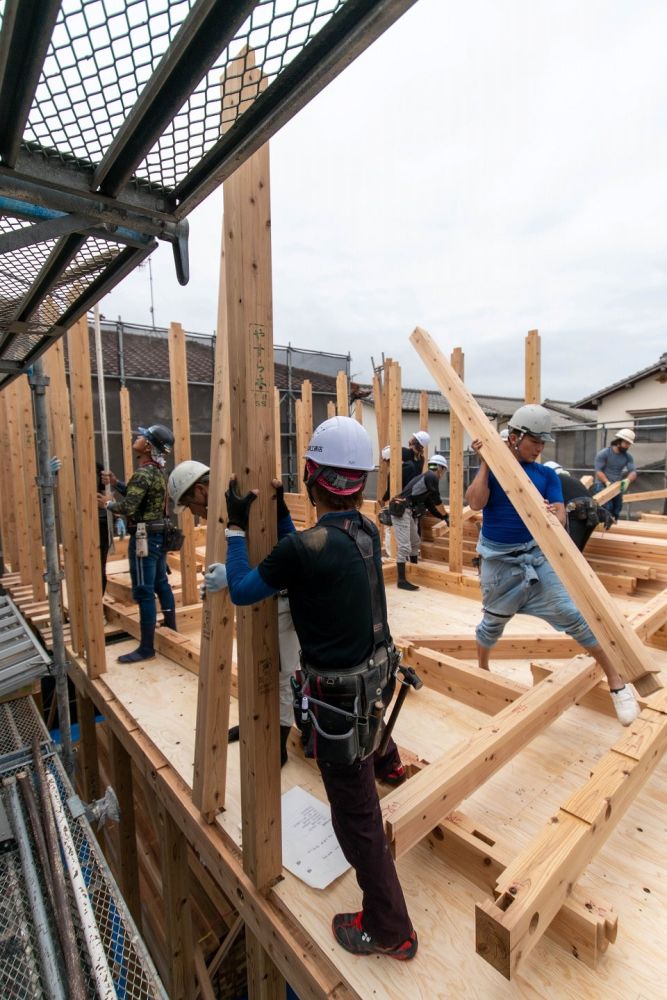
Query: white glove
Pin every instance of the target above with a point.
(215, 578)
(55, 465)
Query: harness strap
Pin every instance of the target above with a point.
(361, 533)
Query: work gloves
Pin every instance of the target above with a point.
(215, 579)
(55, 465)
(238, 508)
(624, 485)
(121, 527)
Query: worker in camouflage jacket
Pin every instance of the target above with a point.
(143, 503)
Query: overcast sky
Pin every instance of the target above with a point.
(483, 169)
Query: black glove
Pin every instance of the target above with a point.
(238, 508)
(282, 509)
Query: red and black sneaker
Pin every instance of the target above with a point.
(350, 934)
(395, 776)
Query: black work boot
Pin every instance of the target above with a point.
(404, 584)
(169, 618)
(145, 649)
(414, 559)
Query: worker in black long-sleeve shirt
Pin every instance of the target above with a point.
(421, 494)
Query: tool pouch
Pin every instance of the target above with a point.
(384, 517)
(141, 540)
(398, 507)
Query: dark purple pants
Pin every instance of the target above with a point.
(357, 823)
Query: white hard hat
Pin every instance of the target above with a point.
(625, 435)
(504, 434)
(437, 460)
(553, 465)
(532, 419)
(341, 443)
(183, 478)
(423, 437)
(386, 453)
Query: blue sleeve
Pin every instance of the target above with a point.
(285, 526)
(245, 584)
(553, 491)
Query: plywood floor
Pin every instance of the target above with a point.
(515, 804)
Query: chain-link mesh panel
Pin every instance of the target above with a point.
(19, 967)
(20, 723)
(18, 270)
(103, 52)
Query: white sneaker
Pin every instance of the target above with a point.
(625, 705)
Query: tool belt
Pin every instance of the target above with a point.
(341, 714)
(152, 527)
(584, 509)
(398, 506)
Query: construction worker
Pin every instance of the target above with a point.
(333, 576)
(613, 464)
(143, 505)
(421, 494)
(583, 514)
(188, 486)
(514, 575)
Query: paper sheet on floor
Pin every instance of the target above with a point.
(310, 848)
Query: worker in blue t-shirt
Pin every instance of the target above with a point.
(515, 576)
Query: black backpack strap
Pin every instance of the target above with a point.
(361, 531)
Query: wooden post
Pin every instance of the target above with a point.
(66, 492)
(10, 395)
(533, 391)
(331, 409)
(394, 425)
(180, 412)
(358, 412)
(342, 395)
(306, 434)
(121, 771)
(78, 351)
(126, 433)
(8, 491)
(87, 757)
(279, 440)
(383, 440)
(456, 478)
(598, 608)
(29, 477)
(178, 914)
(423, 420)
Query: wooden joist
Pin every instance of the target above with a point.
(480, 689)
(615, 637)
(533, 887)
(508, 647)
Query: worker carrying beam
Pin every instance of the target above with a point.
(143, 504)
(514, 574)
(188, 487)
(614, 464)
(333, 577)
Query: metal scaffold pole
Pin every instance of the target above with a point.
(53, 576)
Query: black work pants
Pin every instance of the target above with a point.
(104, 549)
(357, 821)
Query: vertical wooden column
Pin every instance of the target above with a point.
(331, 409)
(342, 395)
(180, 413)
(383, 440)
(279, 440)
(251, 373)
(121, 771)
(10, 395)
(301, 445)
(29, 471)
(78, 352)
(533, 392)
(394, 428)
(8, 484)
(178, 914)
(358, 411)
(126, 433)
(310, 515)
(87, 757)
(456, 478)
(66, 492)
(423, 420)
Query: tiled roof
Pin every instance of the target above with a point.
(591, 402)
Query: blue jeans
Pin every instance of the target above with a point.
(524, 583)
(149, 577)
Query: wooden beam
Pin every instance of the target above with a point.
(176, 897)
(456, 486)
(10, 395)
(8, 490)
(31, 494)
(67, 494)
(87, 758)
(342, 395)
(508, 647)
(646, 495)
(306, 435)
(279, 453)
(180, 412)
(608, 493)
(382, 436)
(533, 386)
(614, 635)
(358, 412)
(533, 887)
(487, 692)
(126, 432)
(331, 409)
(423, 420)
(249, 318)
(86, 479)
(121, 772)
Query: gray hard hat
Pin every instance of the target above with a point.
(532, 419)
